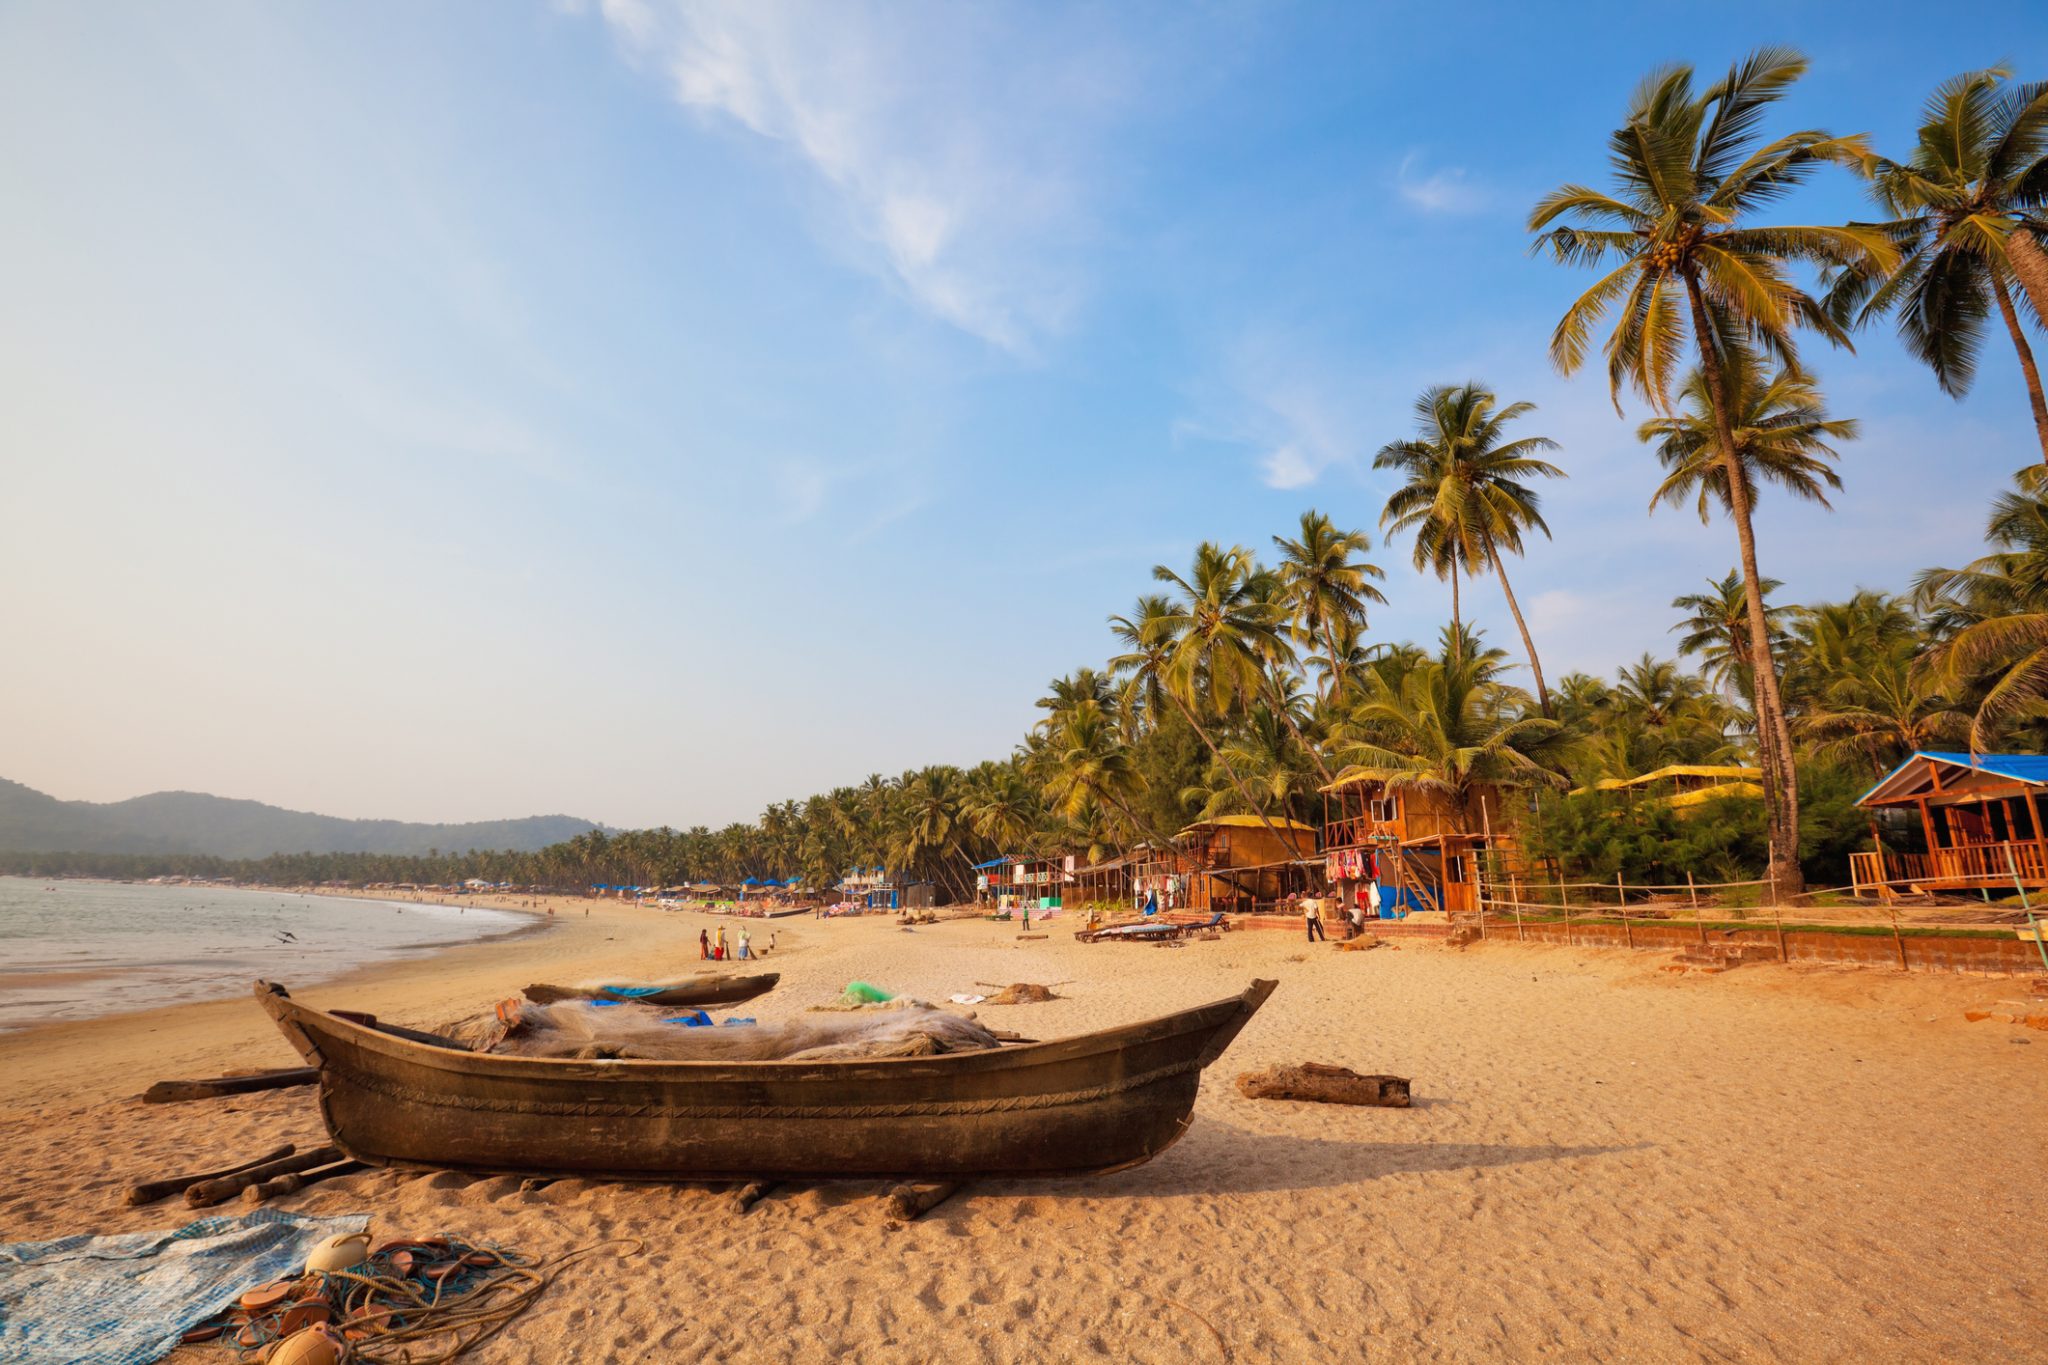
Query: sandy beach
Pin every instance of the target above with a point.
(1605, 1161)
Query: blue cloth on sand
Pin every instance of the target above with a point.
(125, 1300)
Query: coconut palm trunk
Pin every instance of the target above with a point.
(1279, 704)
(1230, 772)
(2026, 353)
(1774, 744)
(2030, 264)
(1528, 643)
(1457, 617)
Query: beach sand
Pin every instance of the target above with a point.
(1604, 1161)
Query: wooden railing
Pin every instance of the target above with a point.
(1357, 832)
(1969, 865)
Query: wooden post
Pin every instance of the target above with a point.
(1515, 886)
(1565, 894)
(2034, 815)
(1692, 889)
(1621, 892)
(1778, 914)
(1898, 939)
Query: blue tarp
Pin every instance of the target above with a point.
(125, 1300)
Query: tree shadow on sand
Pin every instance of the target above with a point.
(1221, 1158)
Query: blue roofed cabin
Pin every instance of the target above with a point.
(1955, 822)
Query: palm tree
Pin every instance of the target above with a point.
(1000, 805)
(1147, 636)
(1464, 496)
(1443, 728)
(1716, 626)
(1223, 633)
(1881, 708)
(1990, 617)
(1781, 434)
(1328, 584)
(1092, 764)
(1687, 173)
(1961, 206)
(1272, 601)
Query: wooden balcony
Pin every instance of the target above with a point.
(1970, 867)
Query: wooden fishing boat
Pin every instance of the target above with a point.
(693, 993)
(1076, 1106)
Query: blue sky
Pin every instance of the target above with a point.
(649, 410)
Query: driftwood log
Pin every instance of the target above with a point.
(298, 1180)
(209, 1192)
(1324, 1085)
(910, 1202)
(149, 1191)
(172, 1092)
(750, 1194)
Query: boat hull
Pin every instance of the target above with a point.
(708, 990)
(1100, 1102)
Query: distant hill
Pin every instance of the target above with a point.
(190, 822)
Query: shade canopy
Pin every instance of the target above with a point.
(1948, 777)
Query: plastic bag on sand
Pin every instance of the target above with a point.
(899, 1028)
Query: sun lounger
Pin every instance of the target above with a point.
(1154, 931)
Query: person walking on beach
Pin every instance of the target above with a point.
(704, 944)
(1312, 916)
(718, 946)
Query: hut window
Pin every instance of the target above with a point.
(1383, 810)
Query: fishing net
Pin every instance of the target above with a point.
(588, 1030)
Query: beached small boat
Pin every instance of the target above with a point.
(694, 993)
(1076, 1106)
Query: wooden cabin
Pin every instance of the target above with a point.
(1421, 846)
(874, 887)
(1235, 863)
(1108, 882)
(1011, 882)
(1966, 821)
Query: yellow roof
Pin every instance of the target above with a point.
(1248, 822)
(1728, 772)
(1680, 800)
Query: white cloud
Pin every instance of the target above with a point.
(1446, 190)
(1288, 467)
(954, 144)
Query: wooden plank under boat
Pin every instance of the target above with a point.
(1075, 1106)
(693, 993)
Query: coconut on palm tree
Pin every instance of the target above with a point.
(1464, 495)
(1965, 207)
(1683, 263)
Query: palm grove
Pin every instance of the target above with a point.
(1248, 680)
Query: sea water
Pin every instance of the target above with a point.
(75, 949)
